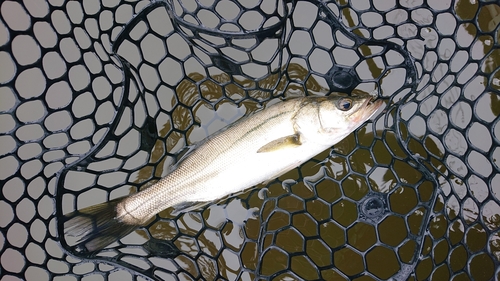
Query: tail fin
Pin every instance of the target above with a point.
(98, 225)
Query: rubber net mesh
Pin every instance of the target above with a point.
(99, 98)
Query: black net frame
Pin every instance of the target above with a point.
(99, 98)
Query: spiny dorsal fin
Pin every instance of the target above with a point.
(281, 143)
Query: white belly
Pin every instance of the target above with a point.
(253, 169)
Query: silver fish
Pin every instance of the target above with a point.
(252, 150)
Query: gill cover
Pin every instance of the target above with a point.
(336, 115)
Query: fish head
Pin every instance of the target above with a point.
(327, 120)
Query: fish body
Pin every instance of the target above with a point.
(250, 151)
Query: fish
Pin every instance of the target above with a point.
(255, 149)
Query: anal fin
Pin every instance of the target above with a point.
(186, 207)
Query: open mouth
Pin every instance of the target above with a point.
(369, 107)
(374, 104)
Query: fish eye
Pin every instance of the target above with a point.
(344, 104)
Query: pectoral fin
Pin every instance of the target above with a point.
(281, 143)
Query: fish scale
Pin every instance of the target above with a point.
(216, 160)
(254, 149)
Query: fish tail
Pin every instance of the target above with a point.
(97, 226)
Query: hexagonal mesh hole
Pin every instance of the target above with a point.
(98, 100)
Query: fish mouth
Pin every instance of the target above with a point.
(368, 108)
